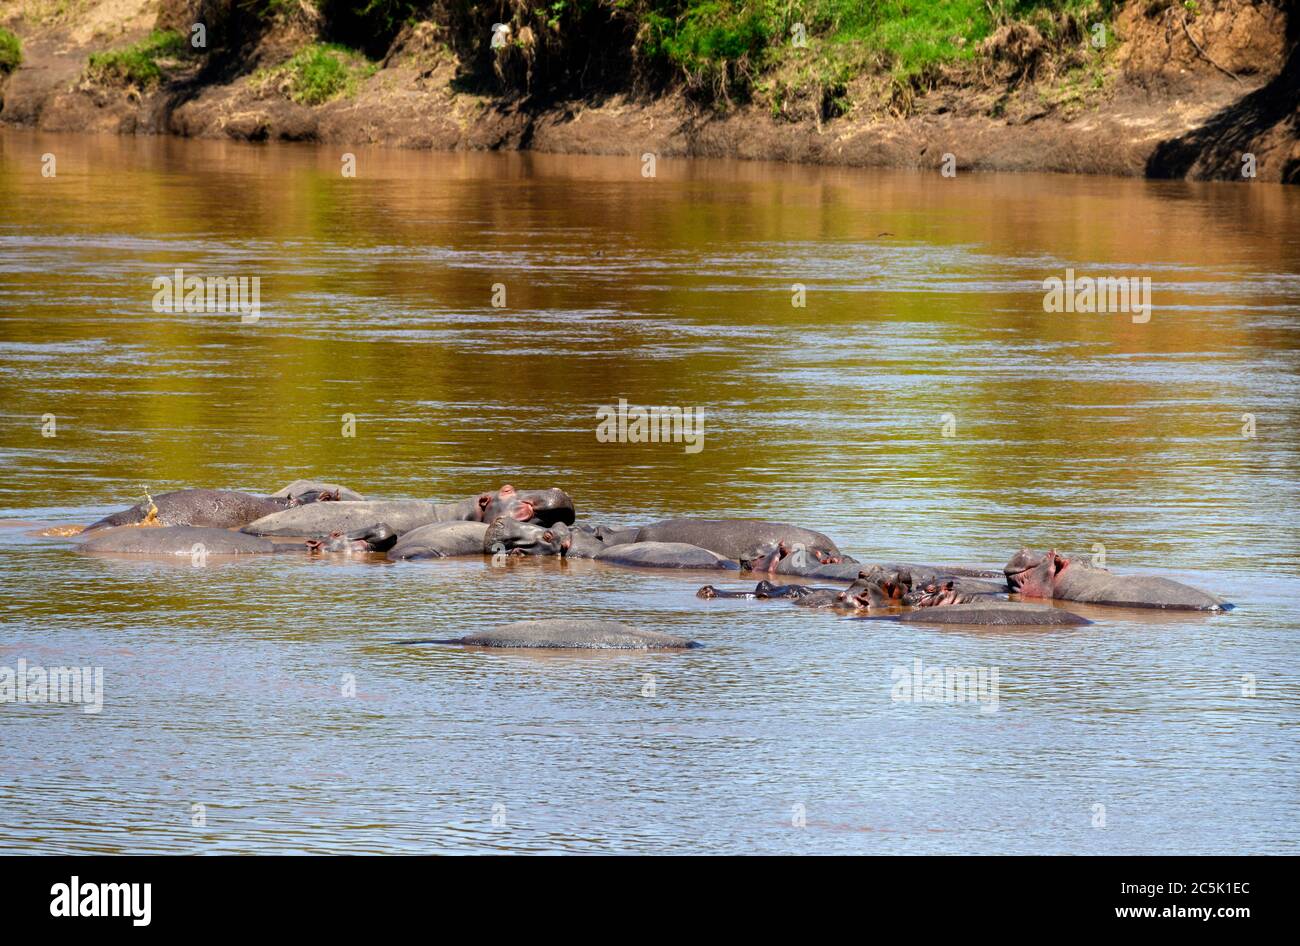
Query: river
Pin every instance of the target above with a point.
(920, 405)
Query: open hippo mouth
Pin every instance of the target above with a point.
(1033, 575)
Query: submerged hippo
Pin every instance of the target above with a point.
(440, 540)
(989, 613)
(874, 588)
(543, 507)
(570, 634)
(514, 537)
(1049, 575)
(937, 593)
(215, 508)
(181, 540)
(784, 558)
(451, 539)
(663, 555)
(588, 541)
(738, 538)
(305, 491)
(323, 519)
(376, 538)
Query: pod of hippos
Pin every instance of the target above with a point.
(315, 518)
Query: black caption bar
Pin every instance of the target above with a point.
(145, 895)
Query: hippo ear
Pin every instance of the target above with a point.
(484, 499)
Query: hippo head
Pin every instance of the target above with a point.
(876, 588)
(515, 537)
(313, 496)
(935, 594)
(541, 506)
(767, 557)
(376, 538)
(1033, 575)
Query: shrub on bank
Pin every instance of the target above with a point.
(321, 72)
(136, 64)
(11, 51)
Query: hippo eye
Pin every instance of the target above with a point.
(548, 537)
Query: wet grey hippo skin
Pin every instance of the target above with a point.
(544, 507)
(1049, 575)
(376, 538)
(990, 613)
(569, 634)
(181, 540)
(588, 541)
(875, 588)
(322, 519)
(738, 538)
(526, 538)
(541, 506)
(798, 558)
(664, 555)
(440, 540)
(450, 539)
(301, 490)
(216, 508)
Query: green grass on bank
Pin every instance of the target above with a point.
(137, 64)
(321, 72)
(733, 38)
(11, 51)
(908, 36)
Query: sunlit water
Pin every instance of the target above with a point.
(224, 685)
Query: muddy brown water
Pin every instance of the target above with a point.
(225, 686)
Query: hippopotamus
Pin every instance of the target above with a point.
(377, 538)
(541, 506)
(664, 555)
(741, 538)
(215, 508)
(182, 540)
(763, 591)
(990, 613)
(305, 491)
(874, 588)
(569, 634)
(784, 558)
(510, 535)
(937, 593)
(323, 519)
(1049, 575)
(588, 541)
(450, 539)
(440, 540)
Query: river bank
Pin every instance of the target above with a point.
(1148, 89)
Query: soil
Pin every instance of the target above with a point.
(1172, 95)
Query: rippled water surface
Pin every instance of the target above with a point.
(224, 685)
